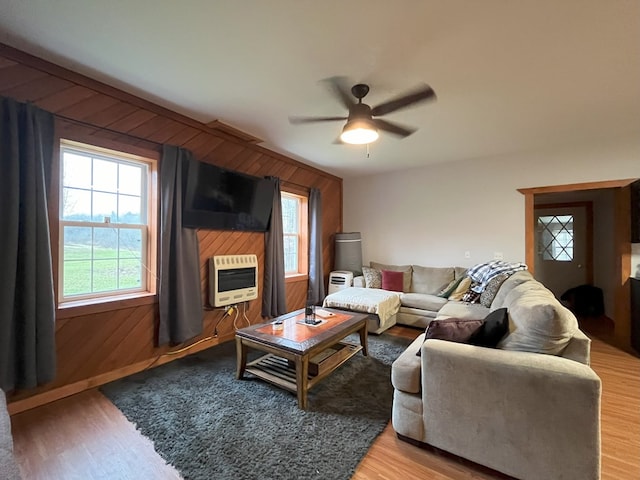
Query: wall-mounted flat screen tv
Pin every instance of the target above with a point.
(221, 199)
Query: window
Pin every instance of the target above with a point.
(294, 227)
(556, 237)
(104, 223)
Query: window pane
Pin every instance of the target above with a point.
(76, 204)
(101, 259)
(130, 244)
(105, 175)
(105, 243)
(290, 253)
(77, 243)
(77, 277)
(130, 180)
(130, 273)
(129, 209)
(556, 237)
(76, 170)
(105, 275)
(104, 205)
(289, 215)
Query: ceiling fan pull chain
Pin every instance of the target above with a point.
(367, 145)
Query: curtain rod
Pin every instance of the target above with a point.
(110, 130)
(91, 125)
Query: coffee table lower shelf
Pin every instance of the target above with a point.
(282, 372)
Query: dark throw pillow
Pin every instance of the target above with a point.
(451, 329)
(494, 327)
(392, 281)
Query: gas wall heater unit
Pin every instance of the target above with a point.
(339, 279)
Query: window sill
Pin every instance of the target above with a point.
(104, 304)
(299, 277)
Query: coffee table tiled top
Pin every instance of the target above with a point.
(298, 342)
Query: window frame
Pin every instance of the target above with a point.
(148, 230)
(302, 235)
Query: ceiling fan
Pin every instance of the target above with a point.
(361, 126)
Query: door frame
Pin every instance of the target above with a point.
(622, 239)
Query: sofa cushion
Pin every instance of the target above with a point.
(430, 279)
(451, 329)
(493, 328)
(538, 322)
(422, 301)
(450, 288)
(491, 290)
(509, 284)
(405, 370)
(406, 269)
(472, 311)
(461, 289)
(460, 272)
(8, 466)
(392, 281)
(372, 277)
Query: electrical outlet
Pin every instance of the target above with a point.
(467, 254)
(498, 256)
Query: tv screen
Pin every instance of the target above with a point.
(221, 199)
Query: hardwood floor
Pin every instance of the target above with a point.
(86, 437)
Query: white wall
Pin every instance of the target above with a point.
(432, 215)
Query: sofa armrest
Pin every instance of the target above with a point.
(8, 466)
(508, 410)
(359, 281)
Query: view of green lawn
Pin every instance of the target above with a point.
(112, 269)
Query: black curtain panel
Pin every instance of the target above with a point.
(179, 290)
(316, 275)
(273, 295)
(27, 305)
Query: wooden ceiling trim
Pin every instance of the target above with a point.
(163, 134)
(100, 87)
(183, 136)
(146, 129)
(37, 89)
(131, 121)
(210, 147)
(88, 106)
(110, 115)
(65, 98)
(5, 62)
(197, 142)
(15, 75)
(226, 150)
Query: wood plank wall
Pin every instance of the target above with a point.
(104, 343)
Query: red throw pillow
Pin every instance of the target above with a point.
(392, 281)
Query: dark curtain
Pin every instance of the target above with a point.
(179, 289)
(316, 275)
(274, 301)
(27, 306)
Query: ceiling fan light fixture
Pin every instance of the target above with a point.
(359, 132)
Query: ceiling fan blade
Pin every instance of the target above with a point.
(341, 90)
(302, 120)
(424, 92)
(394, 128)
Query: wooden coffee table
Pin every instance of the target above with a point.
(300, 355)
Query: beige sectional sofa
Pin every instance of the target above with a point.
(8, 467)
(529, 408)
(419, 300)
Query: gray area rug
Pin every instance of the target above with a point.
(211, 426)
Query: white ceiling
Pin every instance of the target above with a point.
(510, 76)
